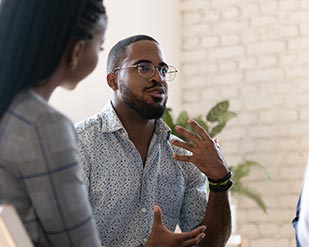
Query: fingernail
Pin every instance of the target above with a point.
(201, 237)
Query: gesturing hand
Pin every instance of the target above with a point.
(206, 153)
(161, 237)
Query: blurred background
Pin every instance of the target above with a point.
(253, 53)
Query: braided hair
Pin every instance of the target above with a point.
(34, 36)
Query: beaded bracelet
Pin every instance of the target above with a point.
(222, 184)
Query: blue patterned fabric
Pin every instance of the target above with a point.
(295, 221)
(122, 193)
(40, 175)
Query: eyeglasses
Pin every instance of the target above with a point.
(147, 70)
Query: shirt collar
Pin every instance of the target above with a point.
(114, 124)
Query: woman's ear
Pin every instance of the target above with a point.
(75, 54)
(111, 80)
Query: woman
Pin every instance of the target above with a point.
(45, 44)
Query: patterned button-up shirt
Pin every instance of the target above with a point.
(122, 192)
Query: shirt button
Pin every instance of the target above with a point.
(145, 240)
(144, 210)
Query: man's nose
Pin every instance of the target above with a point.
(157, 76)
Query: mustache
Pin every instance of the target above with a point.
(156, 84)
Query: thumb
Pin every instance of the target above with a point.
(157, 215)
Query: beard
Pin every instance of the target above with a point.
(136, 103)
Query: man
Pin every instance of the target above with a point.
(130, 161)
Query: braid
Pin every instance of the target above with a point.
(90, 14)
(31, 31)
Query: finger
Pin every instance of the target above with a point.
(201, 132)
(186, 236)
(187, 134)
(216, 141)
(157, 216)
(200, 237)
(185, 158)
(194, 241)
(184, 145)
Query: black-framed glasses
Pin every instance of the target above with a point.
(147, 70)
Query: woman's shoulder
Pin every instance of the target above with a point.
(31, 109)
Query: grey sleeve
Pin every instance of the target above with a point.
(54, 183)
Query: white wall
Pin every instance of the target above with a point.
(254, 53)
(159, 19)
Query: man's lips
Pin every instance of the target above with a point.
(157, 91)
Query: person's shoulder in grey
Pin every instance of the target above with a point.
(31, 107)
(31, 151)
(25, 120)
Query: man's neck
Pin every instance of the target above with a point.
(139, 129)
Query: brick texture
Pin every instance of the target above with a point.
(254, 53)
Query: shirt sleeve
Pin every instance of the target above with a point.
(195, 201)
(52, 179)
(302, 227)
(295, 221)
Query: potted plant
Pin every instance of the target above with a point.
(214, 122)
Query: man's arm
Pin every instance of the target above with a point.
(206, 155)
(217, 219)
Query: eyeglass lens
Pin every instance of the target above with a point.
(147, 70)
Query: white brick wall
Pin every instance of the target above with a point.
(254, 53)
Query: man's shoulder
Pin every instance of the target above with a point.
(88, 125)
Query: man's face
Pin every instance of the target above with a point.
(147, 97)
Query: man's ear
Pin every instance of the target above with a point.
(111, 80)
(75, 54)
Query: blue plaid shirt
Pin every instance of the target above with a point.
(122, 193)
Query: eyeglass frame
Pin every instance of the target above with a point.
(158, 68)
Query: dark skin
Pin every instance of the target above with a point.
(205, 153)
(135, 125)
(207, 156)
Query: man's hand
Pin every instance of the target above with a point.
(206, 153)
(161, 237)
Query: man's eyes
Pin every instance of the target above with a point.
(144, 67)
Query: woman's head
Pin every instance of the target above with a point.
(38, 35)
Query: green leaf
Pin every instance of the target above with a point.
(251, 194)
(225, 117)
(216, 130)
(182, 119)
(243, 170)
(167, 118)
(215, 112)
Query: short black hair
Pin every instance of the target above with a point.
(34, 36)
(117, 53)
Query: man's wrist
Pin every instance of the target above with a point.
(222, 184)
